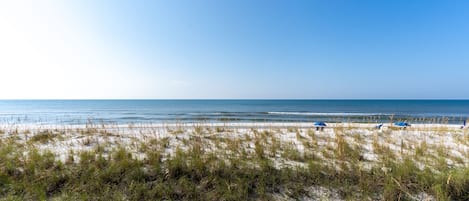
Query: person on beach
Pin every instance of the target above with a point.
(464, 124)
(379, 126)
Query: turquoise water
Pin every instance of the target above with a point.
(156, 111)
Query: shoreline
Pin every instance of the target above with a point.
(226, 124)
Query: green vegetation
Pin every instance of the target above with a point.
(203, 164)
(43, 137)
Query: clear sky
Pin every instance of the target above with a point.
(234, 49)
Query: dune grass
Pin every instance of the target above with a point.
(202, 163)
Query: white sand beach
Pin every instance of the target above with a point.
(449, 141)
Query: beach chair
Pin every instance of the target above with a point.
(379, 126)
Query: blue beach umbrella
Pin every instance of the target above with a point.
(320, 124)
(402, 124)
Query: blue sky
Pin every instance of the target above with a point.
(235, 49)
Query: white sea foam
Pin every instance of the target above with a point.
(328, 113)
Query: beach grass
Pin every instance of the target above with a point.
(204, 162)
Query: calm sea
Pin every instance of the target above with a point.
(157, 111)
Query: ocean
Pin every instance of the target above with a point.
(170, 111)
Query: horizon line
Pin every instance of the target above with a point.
(229, 99)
